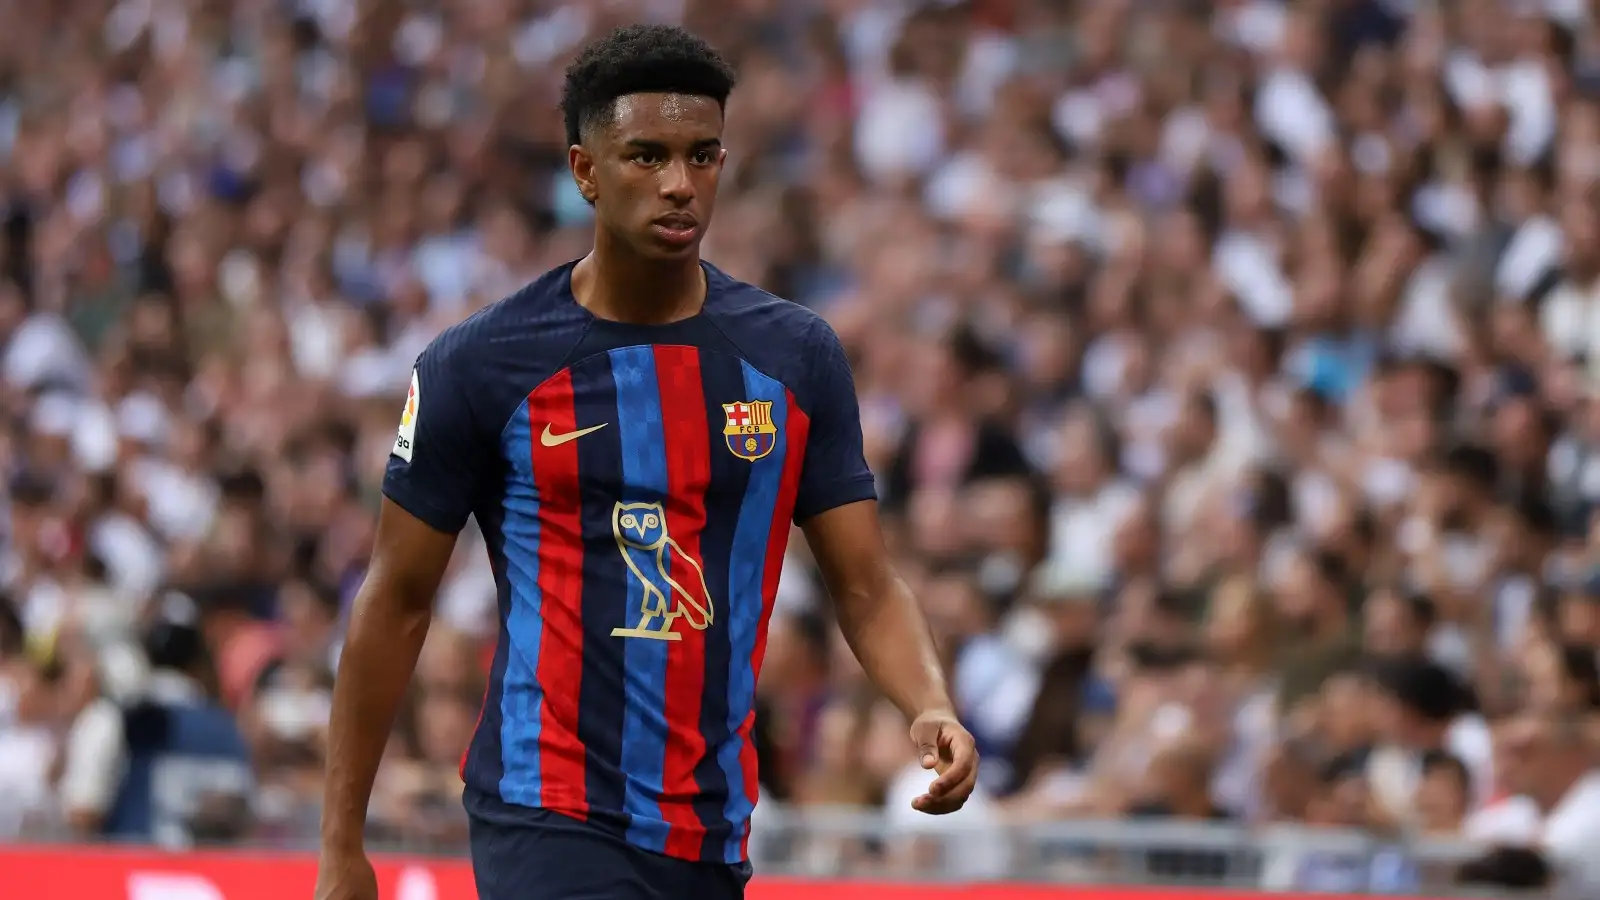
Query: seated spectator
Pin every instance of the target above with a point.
(1344, 800)
(1549, 759)
(30, 718)
(1422, 708)
(1444, 795)
(185, 770)
(1397, 623)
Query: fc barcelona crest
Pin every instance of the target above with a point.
(750, 432)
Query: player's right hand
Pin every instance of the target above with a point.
(946, 746)
(346, 876)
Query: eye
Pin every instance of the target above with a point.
(630, 521)
(705, 156)
(652, 520)
(647, 158)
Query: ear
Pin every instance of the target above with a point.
(582, 166)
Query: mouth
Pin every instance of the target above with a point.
(676, 228)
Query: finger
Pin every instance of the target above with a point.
(946, 788)
(962, 769)
(938, 806)
(964, 788)
(963, 764)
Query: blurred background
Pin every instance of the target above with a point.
(1231, 371)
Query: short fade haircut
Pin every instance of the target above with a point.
(639, 59)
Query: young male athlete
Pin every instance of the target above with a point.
(634, 433)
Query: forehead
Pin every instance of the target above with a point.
(666, 118)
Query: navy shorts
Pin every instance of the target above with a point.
(544, 855)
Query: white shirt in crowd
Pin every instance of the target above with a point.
(26, 753)
(984, 845)
(1567, 835)
(1395, 772)
(1570, 318)
(97, 749)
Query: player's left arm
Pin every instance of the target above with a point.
(838, 510)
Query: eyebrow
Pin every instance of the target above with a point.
(639, 144)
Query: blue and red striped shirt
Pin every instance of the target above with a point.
(635, 486)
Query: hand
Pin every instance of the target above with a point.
(947, 747)
(346, 876)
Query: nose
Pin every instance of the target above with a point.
(676, 185)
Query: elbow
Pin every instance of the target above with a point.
(867, 590)
(394, 594)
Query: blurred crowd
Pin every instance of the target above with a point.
(1231, 371)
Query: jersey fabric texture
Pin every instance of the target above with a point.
(553, 857)
(635, 486)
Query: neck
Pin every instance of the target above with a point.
(614, 283)
(1556, 788)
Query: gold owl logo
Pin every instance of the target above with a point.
(674, 584)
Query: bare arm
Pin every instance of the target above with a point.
(387, 626)
(889, 635)
(877, 612)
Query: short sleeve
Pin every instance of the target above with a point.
(439, 450)
(835, 471)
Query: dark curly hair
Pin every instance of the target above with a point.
(639, 59)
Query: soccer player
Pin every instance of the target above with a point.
(635, 432)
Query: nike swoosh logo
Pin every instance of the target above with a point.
(556, 440)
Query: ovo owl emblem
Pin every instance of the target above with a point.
(674, 585)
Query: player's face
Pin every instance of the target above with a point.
(653, 173)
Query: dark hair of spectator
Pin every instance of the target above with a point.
(326, 595)
(1332, 569)
(1351, 764)
(244, 486)
(1473, 463)
(1519, 868)
(12, 635)
(1436, 760)
(30, 490)
(972, 355)
(1536, 514)
(1365, 526)
(1272, 502)
(1422, 686)
(1205, 403)
(1580, 664)
(174, 645)
(1051, 731)
(1422, 608)
(639, 59)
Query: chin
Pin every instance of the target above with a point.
(658, 251)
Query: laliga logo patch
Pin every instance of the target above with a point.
(406, 440)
